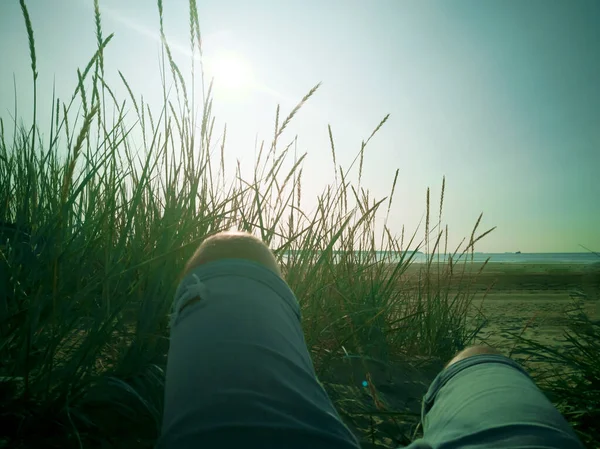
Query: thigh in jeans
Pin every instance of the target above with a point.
(239, 372)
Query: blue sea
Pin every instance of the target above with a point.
(526, 258)
(533, 258)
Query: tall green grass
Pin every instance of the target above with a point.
(101, 217)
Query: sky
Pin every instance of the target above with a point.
(500, 97)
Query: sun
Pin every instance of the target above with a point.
(231, 72)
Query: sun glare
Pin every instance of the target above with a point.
(231, 72)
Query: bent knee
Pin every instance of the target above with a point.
(233, 245)
(472, 351)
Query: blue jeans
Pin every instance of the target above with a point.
(239, 374)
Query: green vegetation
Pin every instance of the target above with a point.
(100, 216)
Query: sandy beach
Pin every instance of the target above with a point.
(531, 299)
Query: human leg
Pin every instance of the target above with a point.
(484, 399)
(239, 372)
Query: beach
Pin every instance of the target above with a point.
(533, 300)
(528, 299)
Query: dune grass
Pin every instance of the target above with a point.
(100, 215)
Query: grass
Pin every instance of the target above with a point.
(100, 218)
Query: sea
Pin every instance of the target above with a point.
(517, 258)
(528, 258)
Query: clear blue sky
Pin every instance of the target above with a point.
(502, 97)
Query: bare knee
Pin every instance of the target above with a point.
(233, 245)
(471, 351)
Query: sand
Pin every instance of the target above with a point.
(532, 299)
